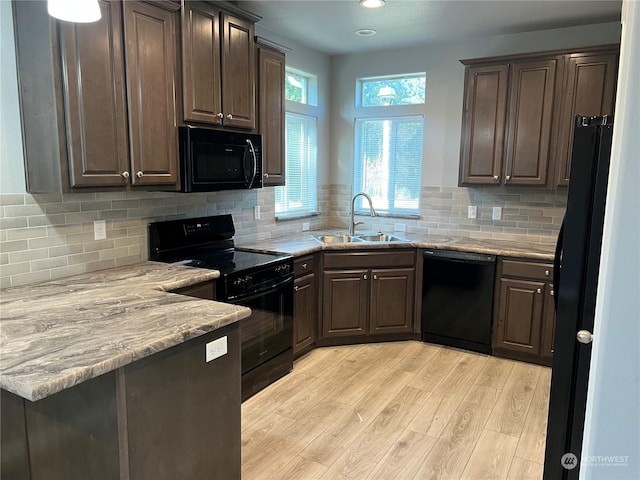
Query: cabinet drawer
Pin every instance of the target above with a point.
(534, 270)
(359, 259)
(303, 265)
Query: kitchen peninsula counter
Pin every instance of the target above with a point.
(306, 243)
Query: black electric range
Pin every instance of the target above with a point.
(260, 281)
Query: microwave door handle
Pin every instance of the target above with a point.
(255, 162)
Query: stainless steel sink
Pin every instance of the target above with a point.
(330, 239)
(381, 237)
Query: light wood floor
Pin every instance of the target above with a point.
(392, 411)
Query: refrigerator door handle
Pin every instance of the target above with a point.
(556, 265)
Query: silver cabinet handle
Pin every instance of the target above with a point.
(220, 115)
(304, 266)
(547, 273)
(139, 174)
(266, 175)
(255, 161)
(296, 288)
(375, 277)
(365, 276)
(584, 336)
(539, 290)
(508, 177)
(496, 177)
(125, 174)
(229, 116)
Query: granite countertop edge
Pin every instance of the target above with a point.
(307, 244)
(43, 353)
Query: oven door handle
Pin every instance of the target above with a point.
(255, 162)
(260, 293)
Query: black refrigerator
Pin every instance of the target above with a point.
(576, 267)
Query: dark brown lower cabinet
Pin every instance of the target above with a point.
(367, 296)
(171, 415)
(524, 315)
(305, 314)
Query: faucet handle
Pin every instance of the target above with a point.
(357, 223)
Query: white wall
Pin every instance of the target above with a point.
(11, 163)
(445, 84)
(612, 426)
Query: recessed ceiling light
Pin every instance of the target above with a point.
(365, 32)
(372, 3)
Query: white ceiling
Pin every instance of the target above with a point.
(329, 25)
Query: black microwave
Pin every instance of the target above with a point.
(212, 160)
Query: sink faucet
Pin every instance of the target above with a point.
(352, 222)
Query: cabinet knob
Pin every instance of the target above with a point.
(496, 177)
(365, 276)
(139, 174)
(539, 290)
(266, 175)
(229, 116)
(125, 174)
(508, 177)
(547, 273)
(304, 266)
(296, 288)
(552, 293)
(375, 277)
(220, 115)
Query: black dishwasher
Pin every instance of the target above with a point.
(457, 299)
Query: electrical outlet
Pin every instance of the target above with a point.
(400, 227)
(305, 226)
(99, 229)
(472, 211)
(216, 349)
(256, 212)
(497, 213)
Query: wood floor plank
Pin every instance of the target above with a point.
(435, 414)
(445, 461)
(435, 371)
(362, 455)
(464, 373)
(330, 444)
(532, 441)
(468, 421)
(263, 432)
(491, 457)
(301, 469)
(320, 358)
(512, 406)
(415, 356)
(403, 459)
(495, 373)
(524, 470)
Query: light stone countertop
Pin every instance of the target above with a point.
(305, 243)
(61, 333)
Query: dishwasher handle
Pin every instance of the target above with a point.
(460, 257)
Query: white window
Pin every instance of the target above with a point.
(299, 196)
(388, 163)
(406, 89)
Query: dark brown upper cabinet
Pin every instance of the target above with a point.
(518, 113)
(151, 65)
(271, 71)
(589, 90)
(107, 94)
(218, 66)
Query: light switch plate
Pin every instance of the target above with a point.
(497, 213)
(305, 226)
(99, 229)
(400, 227)
(256, 212)
(216, 349)
(472, 211)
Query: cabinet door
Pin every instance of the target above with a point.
(344, 303)
(548, 324)
(529, 126)
(305, 311)
(519, 316)
(238, 73)
(392, 303)
(150, 36)
(201, 63)
(590, 91)
(94, 99)
(484, 124)
(271, 106)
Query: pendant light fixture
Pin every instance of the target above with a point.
(77, 11)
